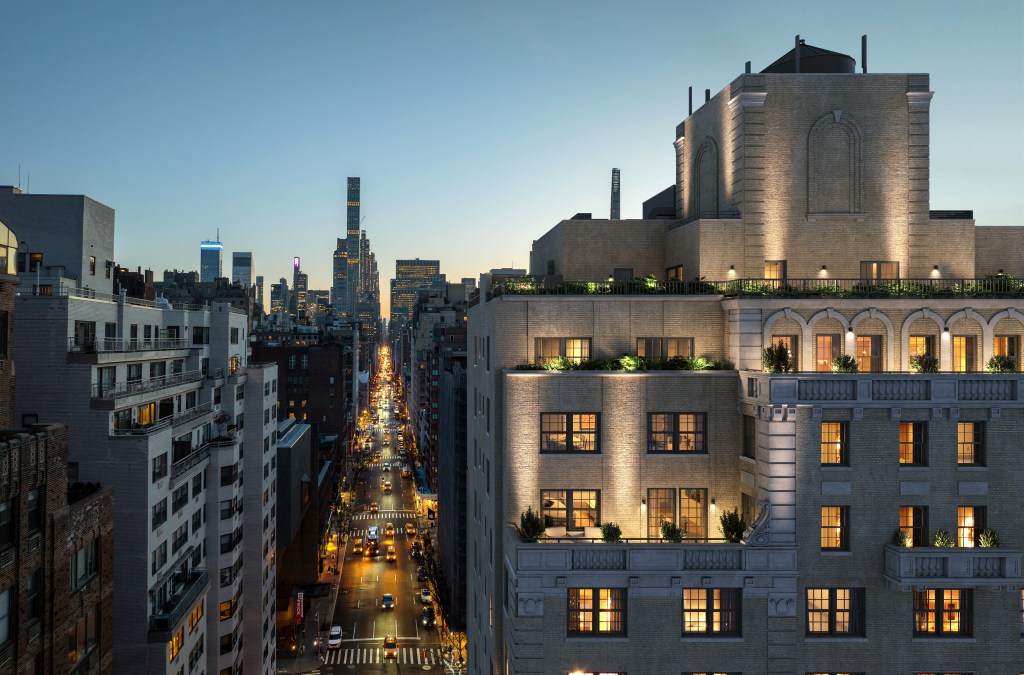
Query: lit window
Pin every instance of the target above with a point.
(914, 522)
(176, 642)
(834, 528)
(655, 349)
(913, 443)
(835, 611)
(693, 513)
(572, 509)
(677, 432)
(942, 611)
(791, 343)
(868, 351)
(1007, 345)
(970, 522)
(569, 432)
(573, 349)
(775, 270)
(834, 443)
(922, 345)
(597, 611)
(711, 611)
(965, 348)
(827, 348)
(970, 443)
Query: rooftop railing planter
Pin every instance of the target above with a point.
(611, 533)
(673, 533)
(531, 527)
(943, 539)
(844, 364)
(1001, 364)
(776, 359)
(628, 363)
(733, 526)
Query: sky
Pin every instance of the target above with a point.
(474, 126)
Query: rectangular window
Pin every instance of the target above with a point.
(674, 273)
(712, 611)
(33, 595)
(200, 335)
(7, 523)
(827, 347)
(159, 467)
(92, 265)
(835, 611)
(569, 432)
(5, 617)
(970, 443)
(574, 349)
(84, 563)
(35, 510)
(661, 508)
(913, 443)
(677, 432)
(914, 521)
(693, 513)
(234, 336)
(571, 509)
(1007, 345)
(965, 348)
(656, 349)
(159, 513)
(942, 612)
(921, 345)
(834, 443)
(597, 612)
(775, 270)
(868, 350)
(970, 522)
(835, 527)
(750, 436)
(879, 270)
(35, 262)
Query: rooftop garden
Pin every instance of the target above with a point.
(993, 286)
(628, 363)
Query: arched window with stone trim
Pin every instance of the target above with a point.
(705, 174)
(834, 165)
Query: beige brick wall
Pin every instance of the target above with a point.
(999, 248)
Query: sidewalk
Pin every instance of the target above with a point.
(318, 611)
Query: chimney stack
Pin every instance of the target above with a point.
(864, 54)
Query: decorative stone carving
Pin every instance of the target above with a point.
(759, 534)
(712, 559)
(531, 605)
(781, 604)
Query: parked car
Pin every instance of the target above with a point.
(421, 573)
(390, 647)
(427, 618)
(417, 550)
(334, 638)
(425, 596)
(387, 602)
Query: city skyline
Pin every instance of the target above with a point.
(204, 159)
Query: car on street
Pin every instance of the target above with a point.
(371, 550)
(387, 602)
(357, 545)
(417, 550)
(406, 472)
(387, 487)
(386, 467)
(421, 573)
(427, 618)
(390, 647)
(389, 530)
(425, 596)
(410, 529)
(334, 638)
(390, 556)
(374, 507)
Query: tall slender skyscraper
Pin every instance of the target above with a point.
(615, 195)
(352, 247)
(210, 255)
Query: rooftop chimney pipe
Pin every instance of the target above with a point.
(747, 68)
(864, 54)
(691, 101)
(707, 95)
(796, 54)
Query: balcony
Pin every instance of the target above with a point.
(998, 286)
(909, 568)
(181, 468)
(883, 388)
(193, 413)
(162, 624)
(111, 392)
(94, 345)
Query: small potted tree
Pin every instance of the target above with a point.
(943, 539)
(530, 528)
(776, 359)
(902, 538)
(1000, 363)
(611, 533)
(988, 539)
(733, 526)
(672, 533)
(924, 363)
(844, 363)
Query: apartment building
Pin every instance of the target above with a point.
(155, 398)
(625, 382)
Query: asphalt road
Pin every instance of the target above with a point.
(364, 580)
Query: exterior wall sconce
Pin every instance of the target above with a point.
(823, 268)
(849, 334)
(732, 267)
(713, 507)
(643, 503)
(935, 267)
(945, 331)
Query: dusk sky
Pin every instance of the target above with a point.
(475, 126)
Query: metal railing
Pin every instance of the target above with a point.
(193, 413)
(120, 389)
(92, 345)
(174, 609)
(999, 286)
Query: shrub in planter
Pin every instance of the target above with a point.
(776, 359)
(924, 363)
(988, 539)
(611, 533)
(902, 538)
(672, 532)
(844, 364)
(1001, 364)
(943, 539)
(733, 526)
(629, 362)
(531, 527)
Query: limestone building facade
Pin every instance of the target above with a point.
(802, 220)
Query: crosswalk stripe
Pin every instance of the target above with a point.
(373, 655)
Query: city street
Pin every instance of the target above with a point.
(366, 578)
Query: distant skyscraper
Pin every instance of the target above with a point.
(411, 277)
(352, 247)
(339, 290)
(615, 195)
(279, 297)
(259, 291)
(242, 268)
(210, 258)
(300, 282)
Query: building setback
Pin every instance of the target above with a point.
(802, 224)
